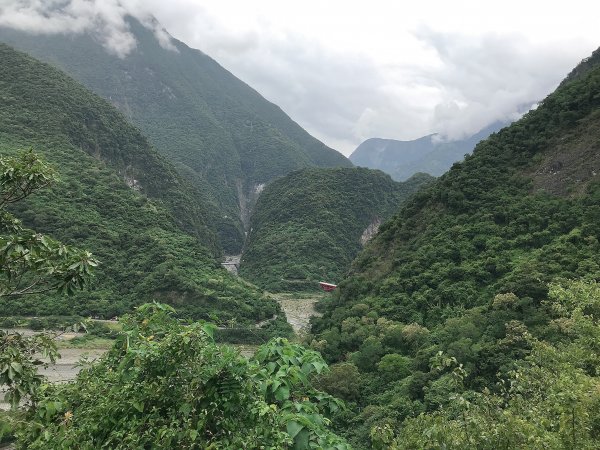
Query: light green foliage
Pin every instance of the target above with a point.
(31, 262)
(19, 362)
(168, 385)
(307, 226)
(285, 379)
(394, 367)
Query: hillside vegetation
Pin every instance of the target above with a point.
(307, 226)
(116, 197)
(464, 269)
(167, 385)
(219, 133)
(428, 154)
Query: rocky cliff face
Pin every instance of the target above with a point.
(370, 231)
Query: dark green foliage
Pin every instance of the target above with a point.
(482, 228)
(307, 226)
(152, 242)
(550, 400)
(464, 267)
(220, 133)
(254, 335)
(584, 67)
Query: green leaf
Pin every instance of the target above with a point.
(301, 441)
(293, 428)
(138, 405)
(17, 367)
(209, 329)
(282, 393)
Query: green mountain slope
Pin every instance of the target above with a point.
(116, 197)
(402, 159)
(464, 267)
(220, 133)
(308, 225)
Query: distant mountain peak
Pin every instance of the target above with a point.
(429, 154)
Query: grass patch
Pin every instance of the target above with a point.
(87, 342)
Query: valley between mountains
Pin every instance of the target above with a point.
(159, 214)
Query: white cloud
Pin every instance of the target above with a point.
(350, 70)
(347, 70)
(105, 19)
(491, 77)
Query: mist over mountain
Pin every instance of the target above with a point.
(428, 154)
(463, 309)
(220, 134)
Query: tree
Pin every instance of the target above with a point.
(31, 263)
(165, 384)
(550, 400)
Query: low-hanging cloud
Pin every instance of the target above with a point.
(490, 78)
(424, 81)
(106, 20)
(463, 84)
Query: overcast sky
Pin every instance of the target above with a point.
(349, 70)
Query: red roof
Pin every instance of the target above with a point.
(327, 287)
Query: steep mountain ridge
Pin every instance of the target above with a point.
(307, 226)
(452, 293)
(219, 132)
(402, 159)
(116, 197)
(495, 190)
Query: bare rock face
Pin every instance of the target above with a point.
(572, 163)
(370, 231)
(232, 263)
(133, 183)
(247, 201)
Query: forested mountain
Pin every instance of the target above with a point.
(307, 226)
(117, 197)
(220, 133)
(448, 311)
(402, 159)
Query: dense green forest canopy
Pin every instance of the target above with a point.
(117, 197)
(307, 226)
(464, 269)
(220, 133)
